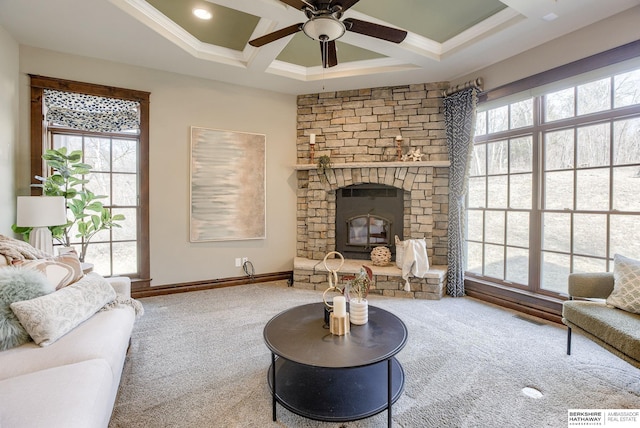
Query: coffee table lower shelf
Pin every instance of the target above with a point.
(336, 394)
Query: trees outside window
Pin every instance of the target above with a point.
(555, 184)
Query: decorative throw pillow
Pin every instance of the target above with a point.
(18, 284)
(626, 284)
(50, 317)
(61, 270)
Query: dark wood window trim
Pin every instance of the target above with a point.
(594, 62)
(38, 144)
(539, 305)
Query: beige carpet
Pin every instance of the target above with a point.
(199, 360)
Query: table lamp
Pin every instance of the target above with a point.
(40, 212)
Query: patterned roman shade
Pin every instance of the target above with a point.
(90, 112)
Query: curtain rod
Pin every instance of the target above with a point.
(477, 83)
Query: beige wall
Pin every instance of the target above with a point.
(8, 129)
(601, 36)
(178, 102)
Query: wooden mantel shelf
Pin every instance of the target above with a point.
(354, 165)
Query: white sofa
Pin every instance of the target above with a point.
(72, 382)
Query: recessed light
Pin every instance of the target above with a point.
(550, 17)
(202, 13)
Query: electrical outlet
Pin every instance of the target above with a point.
(238, 262)
(244, 260)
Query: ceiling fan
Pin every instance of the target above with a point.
(325, 26)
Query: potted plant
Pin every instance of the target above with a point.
(358, 290)
(85, 211)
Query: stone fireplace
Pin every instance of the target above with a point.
(357, 130)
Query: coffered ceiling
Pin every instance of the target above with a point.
(446, 39)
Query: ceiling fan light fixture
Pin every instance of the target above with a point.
(324, 28)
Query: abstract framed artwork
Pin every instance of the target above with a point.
(228, 185)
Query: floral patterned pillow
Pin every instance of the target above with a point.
(49, 317)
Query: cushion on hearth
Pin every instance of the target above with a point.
(626, 284)
(17, 284)
(50, 317)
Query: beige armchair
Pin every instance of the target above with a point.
(616, 330)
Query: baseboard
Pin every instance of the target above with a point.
(148, 291)
(544, 307)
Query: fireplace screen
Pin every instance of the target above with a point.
(368, 215)
(368, 230)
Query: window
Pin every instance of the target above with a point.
(120, 172)
(114, 175)
(555, 183)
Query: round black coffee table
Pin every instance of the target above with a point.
(334, 378)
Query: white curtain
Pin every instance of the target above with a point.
(459, 116)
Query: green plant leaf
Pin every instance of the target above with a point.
(70, 178)
(75, 156)
(95, 206)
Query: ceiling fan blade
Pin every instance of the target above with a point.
(375, 30)
(298, 4)
(271, 37)
(345, 4)
(329, 54)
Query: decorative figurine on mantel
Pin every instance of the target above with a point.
(414, 155)
(399, 146)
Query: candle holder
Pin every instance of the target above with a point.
(312, 147)
(337, 312)
(339, 326)
(399, 147)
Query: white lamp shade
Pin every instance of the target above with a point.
(41, 211)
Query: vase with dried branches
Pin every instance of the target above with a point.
(358, 290)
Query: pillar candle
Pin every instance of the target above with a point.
(399, 138)
(339, 306)
(312, 139)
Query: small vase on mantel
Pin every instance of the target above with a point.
(359, 311)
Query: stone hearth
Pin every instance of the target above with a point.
(425, 187)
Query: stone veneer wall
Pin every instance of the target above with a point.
(361, 125)
(357, 129)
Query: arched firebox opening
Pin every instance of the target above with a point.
(367, 216)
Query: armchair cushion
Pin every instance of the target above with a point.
(592, 285)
